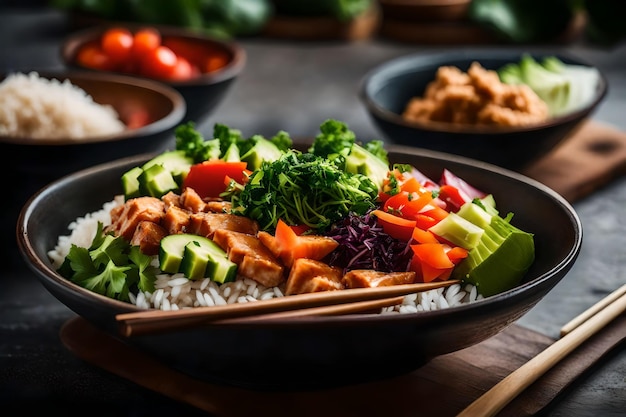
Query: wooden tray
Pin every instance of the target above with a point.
(456, 30)
(589, 159)
(592, 157)
(316, 28)
(442, 387)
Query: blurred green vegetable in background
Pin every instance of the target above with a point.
(605, 20)
(533, 21)
(224, 18)
(522, 21)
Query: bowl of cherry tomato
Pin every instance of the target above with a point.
(200, 67)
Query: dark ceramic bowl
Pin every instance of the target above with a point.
(386, 90)
(31, 163)
(317, 351)
(202, 93)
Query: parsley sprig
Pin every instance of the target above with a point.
(304, 189)
(111, 266)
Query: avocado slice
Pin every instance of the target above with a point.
(500, 260)
(459, 231)
(263, 150)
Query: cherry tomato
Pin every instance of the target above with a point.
(145, 41)
(159, 63)
(216, 61)
(194, 52)
(117, 43)
(182, 71)
(206, 58)
(92, 56)
(138, 118)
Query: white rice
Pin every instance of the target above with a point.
(175, 291)
(36, 107)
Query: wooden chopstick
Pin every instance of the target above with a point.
(331, 310)
(157, 321)
(494, 400)
(590, 312)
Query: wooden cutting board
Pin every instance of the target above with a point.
(442, 387)
(593, 156)
(452, 27)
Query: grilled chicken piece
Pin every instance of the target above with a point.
(115, 213)
(270, 242)
(206, 224)
(191, 200)
(309, 275)
(171, 199)
(218, 206)
(360, 278)
(135, 211)
(176, 220)
(148, 237)
(254, 260)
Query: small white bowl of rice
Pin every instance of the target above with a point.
(55, 123)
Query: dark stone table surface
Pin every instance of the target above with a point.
(292, 86)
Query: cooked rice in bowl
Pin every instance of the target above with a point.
(175, 291)
(35, 107)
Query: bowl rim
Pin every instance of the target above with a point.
(74, 40)
(175, 116)
(45, 272)
(380, 73)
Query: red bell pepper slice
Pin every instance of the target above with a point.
(411, 185)
(395, 226)
(404, 206)
(432, 261)
(292, 246)
(208, 178)
(457, 254)
(453, 198)
(424, 236)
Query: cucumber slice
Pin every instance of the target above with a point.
(197, 262)
(171, 250)
(500, 259)
(196, 257)
(130, 183)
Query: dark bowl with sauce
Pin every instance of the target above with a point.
(315, 352)
(386, 89)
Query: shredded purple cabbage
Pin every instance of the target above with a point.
(364, 245)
